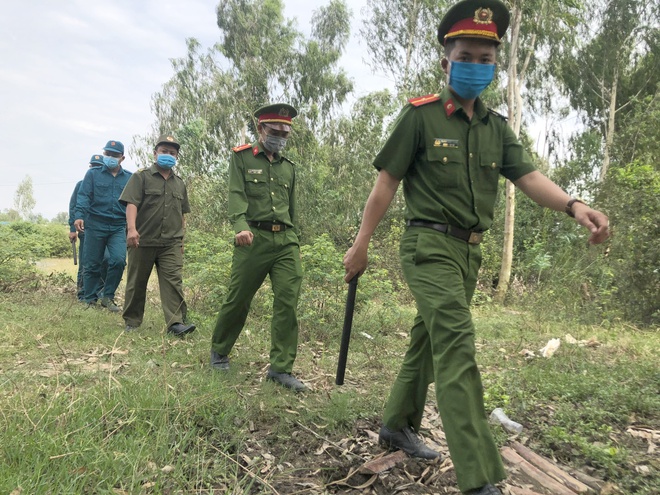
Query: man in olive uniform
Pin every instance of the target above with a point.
(95, 161)
(102, 218)
(156, 200)
(449, 150)
(262, 210)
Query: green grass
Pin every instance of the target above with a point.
(88, 408)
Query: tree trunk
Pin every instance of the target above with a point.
(609, 135)
(514, 102)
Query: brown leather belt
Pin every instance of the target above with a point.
(269, 226)
(464, 235)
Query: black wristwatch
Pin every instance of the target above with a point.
(569, 206)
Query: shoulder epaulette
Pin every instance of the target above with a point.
(241, 147)
(505, 119)
(288, 160)
(423, 100)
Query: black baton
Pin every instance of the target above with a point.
(75, 255)
(346, 332)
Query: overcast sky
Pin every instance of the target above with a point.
(76, 73)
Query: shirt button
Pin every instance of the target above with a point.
(255, 180)
(471, 155)
(444, 159)
(272, 194)
(273, 208)
(272, 179)
(494, 165)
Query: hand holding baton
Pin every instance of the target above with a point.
(346, 332)
(73, 248)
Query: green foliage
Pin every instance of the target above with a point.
(207, 266)
(24, 243)
(632, 196)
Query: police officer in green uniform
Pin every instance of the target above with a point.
(95, 161)
(449, 150)
(262, 210)
(156, 200)
(102, 218)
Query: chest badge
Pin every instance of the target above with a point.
(445, 143)
(255, 171)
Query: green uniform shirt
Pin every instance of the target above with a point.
(160, 203)
(449, 165)
(260, 190)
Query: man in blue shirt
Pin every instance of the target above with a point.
(96, 161)
(102, 218)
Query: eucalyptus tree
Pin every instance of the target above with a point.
(401, 36)
(24, 201)
(610, 67)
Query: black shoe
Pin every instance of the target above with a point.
(485, 490)
(130, 328)
(179, 329)
(286, 380)
(219, 361)
(406, 440)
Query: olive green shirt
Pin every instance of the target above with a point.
(450, 166)
(260, 190)
(161, 204)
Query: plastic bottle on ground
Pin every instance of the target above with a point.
(499, 416)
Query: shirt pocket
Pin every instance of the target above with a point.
(256, 185)
(177, 200)
(446, 164)
(490, 165)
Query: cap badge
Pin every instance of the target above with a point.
(483, 16)
(97, 157)
(112, 143)
(283, 112)
(169, 138)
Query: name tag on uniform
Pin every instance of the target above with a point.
(255, 171)
(445, 143)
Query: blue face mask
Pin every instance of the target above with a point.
(469, 80)
(110, 161)
(165, 161)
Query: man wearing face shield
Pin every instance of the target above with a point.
(262, 210)
(102, 219)
(156, 201)
(450, 150)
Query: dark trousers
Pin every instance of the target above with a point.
(169, 266)
(100, 237)
(80, 282)
(274, 254)
(441, 272)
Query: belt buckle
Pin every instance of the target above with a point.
(475, 237)
(275, 228)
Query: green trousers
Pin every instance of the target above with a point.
(441, 272)
(169, 265)
(276, 254)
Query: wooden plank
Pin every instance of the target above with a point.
(515, 490)
(543, 480)
(380, 464)
(551, 469)
(595, 484)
